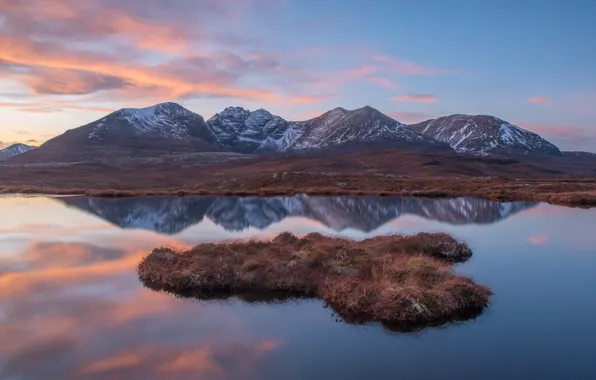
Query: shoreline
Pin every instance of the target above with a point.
(564, 192)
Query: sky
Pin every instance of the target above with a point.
(65, 63)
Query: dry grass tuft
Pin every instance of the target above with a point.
(403, 282)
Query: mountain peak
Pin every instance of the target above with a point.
(339, 109)
(368, 110)
(261, 110)
(166, 108)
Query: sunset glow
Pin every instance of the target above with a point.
(65, 63)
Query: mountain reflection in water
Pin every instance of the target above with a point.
(171, 215)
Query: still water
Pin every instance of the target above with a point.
(71, 306)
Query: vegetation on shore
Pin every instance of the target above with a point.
(402, 282)
(564, 191)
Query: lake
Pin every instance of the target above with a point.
(71, 305)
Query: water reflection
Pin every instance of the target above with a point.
(71, 305)
(173, 215)
(75, 310)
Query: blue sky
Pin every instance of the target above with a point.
(64, 63)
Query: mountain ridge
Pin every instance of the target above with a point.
(167, 128)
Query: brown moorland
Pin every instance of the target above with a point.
(384, 172)
(403, 282)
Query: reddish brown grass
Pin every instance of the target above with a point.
(402, 282)
(569, 191)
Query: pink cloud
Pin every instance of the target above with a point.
(384, 82)
(552, 129)
(411, 68)
(53, 66)
(415, 98)
(35, 107)
(539, 239)
(359, 72)
(409, 117)
(310, 115)
(538, 100)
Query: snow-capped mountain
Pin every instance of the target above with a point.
(484, 135)
(128, 133)
(171, 215)
(14, 150)
(165, 120)
(364, 125)
(245, 131)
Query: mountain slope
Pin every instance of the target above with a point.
(361, 126)
(165, 128)
(484, 135)
(14, 150)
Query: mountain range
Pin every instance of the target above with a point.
(171, 215)
(169, 129)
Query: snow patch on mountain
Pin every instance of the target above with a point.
(14, 150)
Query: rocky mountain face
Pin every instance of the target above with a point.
(14, 150)
(240, 130)
(173, 215)
(244, 131)
(484, 135)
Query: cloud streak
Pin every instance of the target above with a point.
(415, 98)
(409, 117)
(539, 239)
(538, 100)
(51, 107)
(412, 68)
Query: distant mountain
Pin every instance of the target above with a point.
(580, 154)
(244, 131)
(14, 150)
(173, 215)
(145, 132)
(484, 135)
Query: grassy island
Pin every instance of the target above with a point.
(402, 282)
